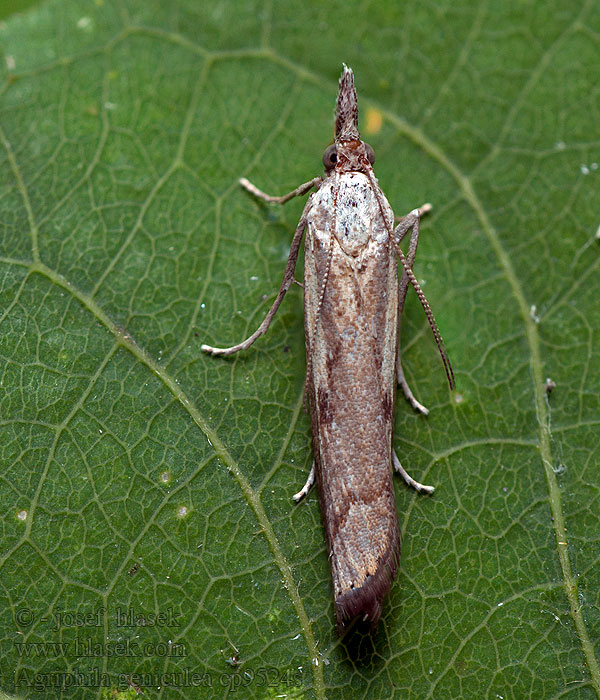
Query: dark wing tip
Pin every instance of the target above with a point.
(366, 602)
(346, 113)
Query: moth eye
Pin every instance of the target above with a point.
(330, 157)
(370, 153)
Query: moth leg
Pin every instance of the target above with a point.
(302, 189)
(421, 488)
(307, 486)
(288, 279)
(408, 222)
(406, 390)
(425, 209)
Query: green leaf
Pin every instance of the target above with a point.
(147, 521)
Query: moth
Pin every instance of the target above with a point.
(352, 305)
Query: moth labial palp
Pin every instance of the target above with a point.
(352, 305)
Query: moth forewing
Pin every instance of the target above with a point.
(351, 316)
(352, 302)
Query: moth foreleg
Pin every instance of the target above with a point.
(302, 189)
(307, 486)
(408, 222)
(421, 488)
(288, 279)
(405, 223)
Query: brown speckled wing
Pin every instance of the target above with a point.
(351, 342)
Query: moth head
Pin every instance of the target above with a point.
(330, 155)
(347, 150)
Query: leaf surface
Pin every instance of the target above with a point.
(147, 521)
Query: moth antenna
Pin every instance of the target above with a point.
(324, 285)
(417, 287)
(430, 317)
